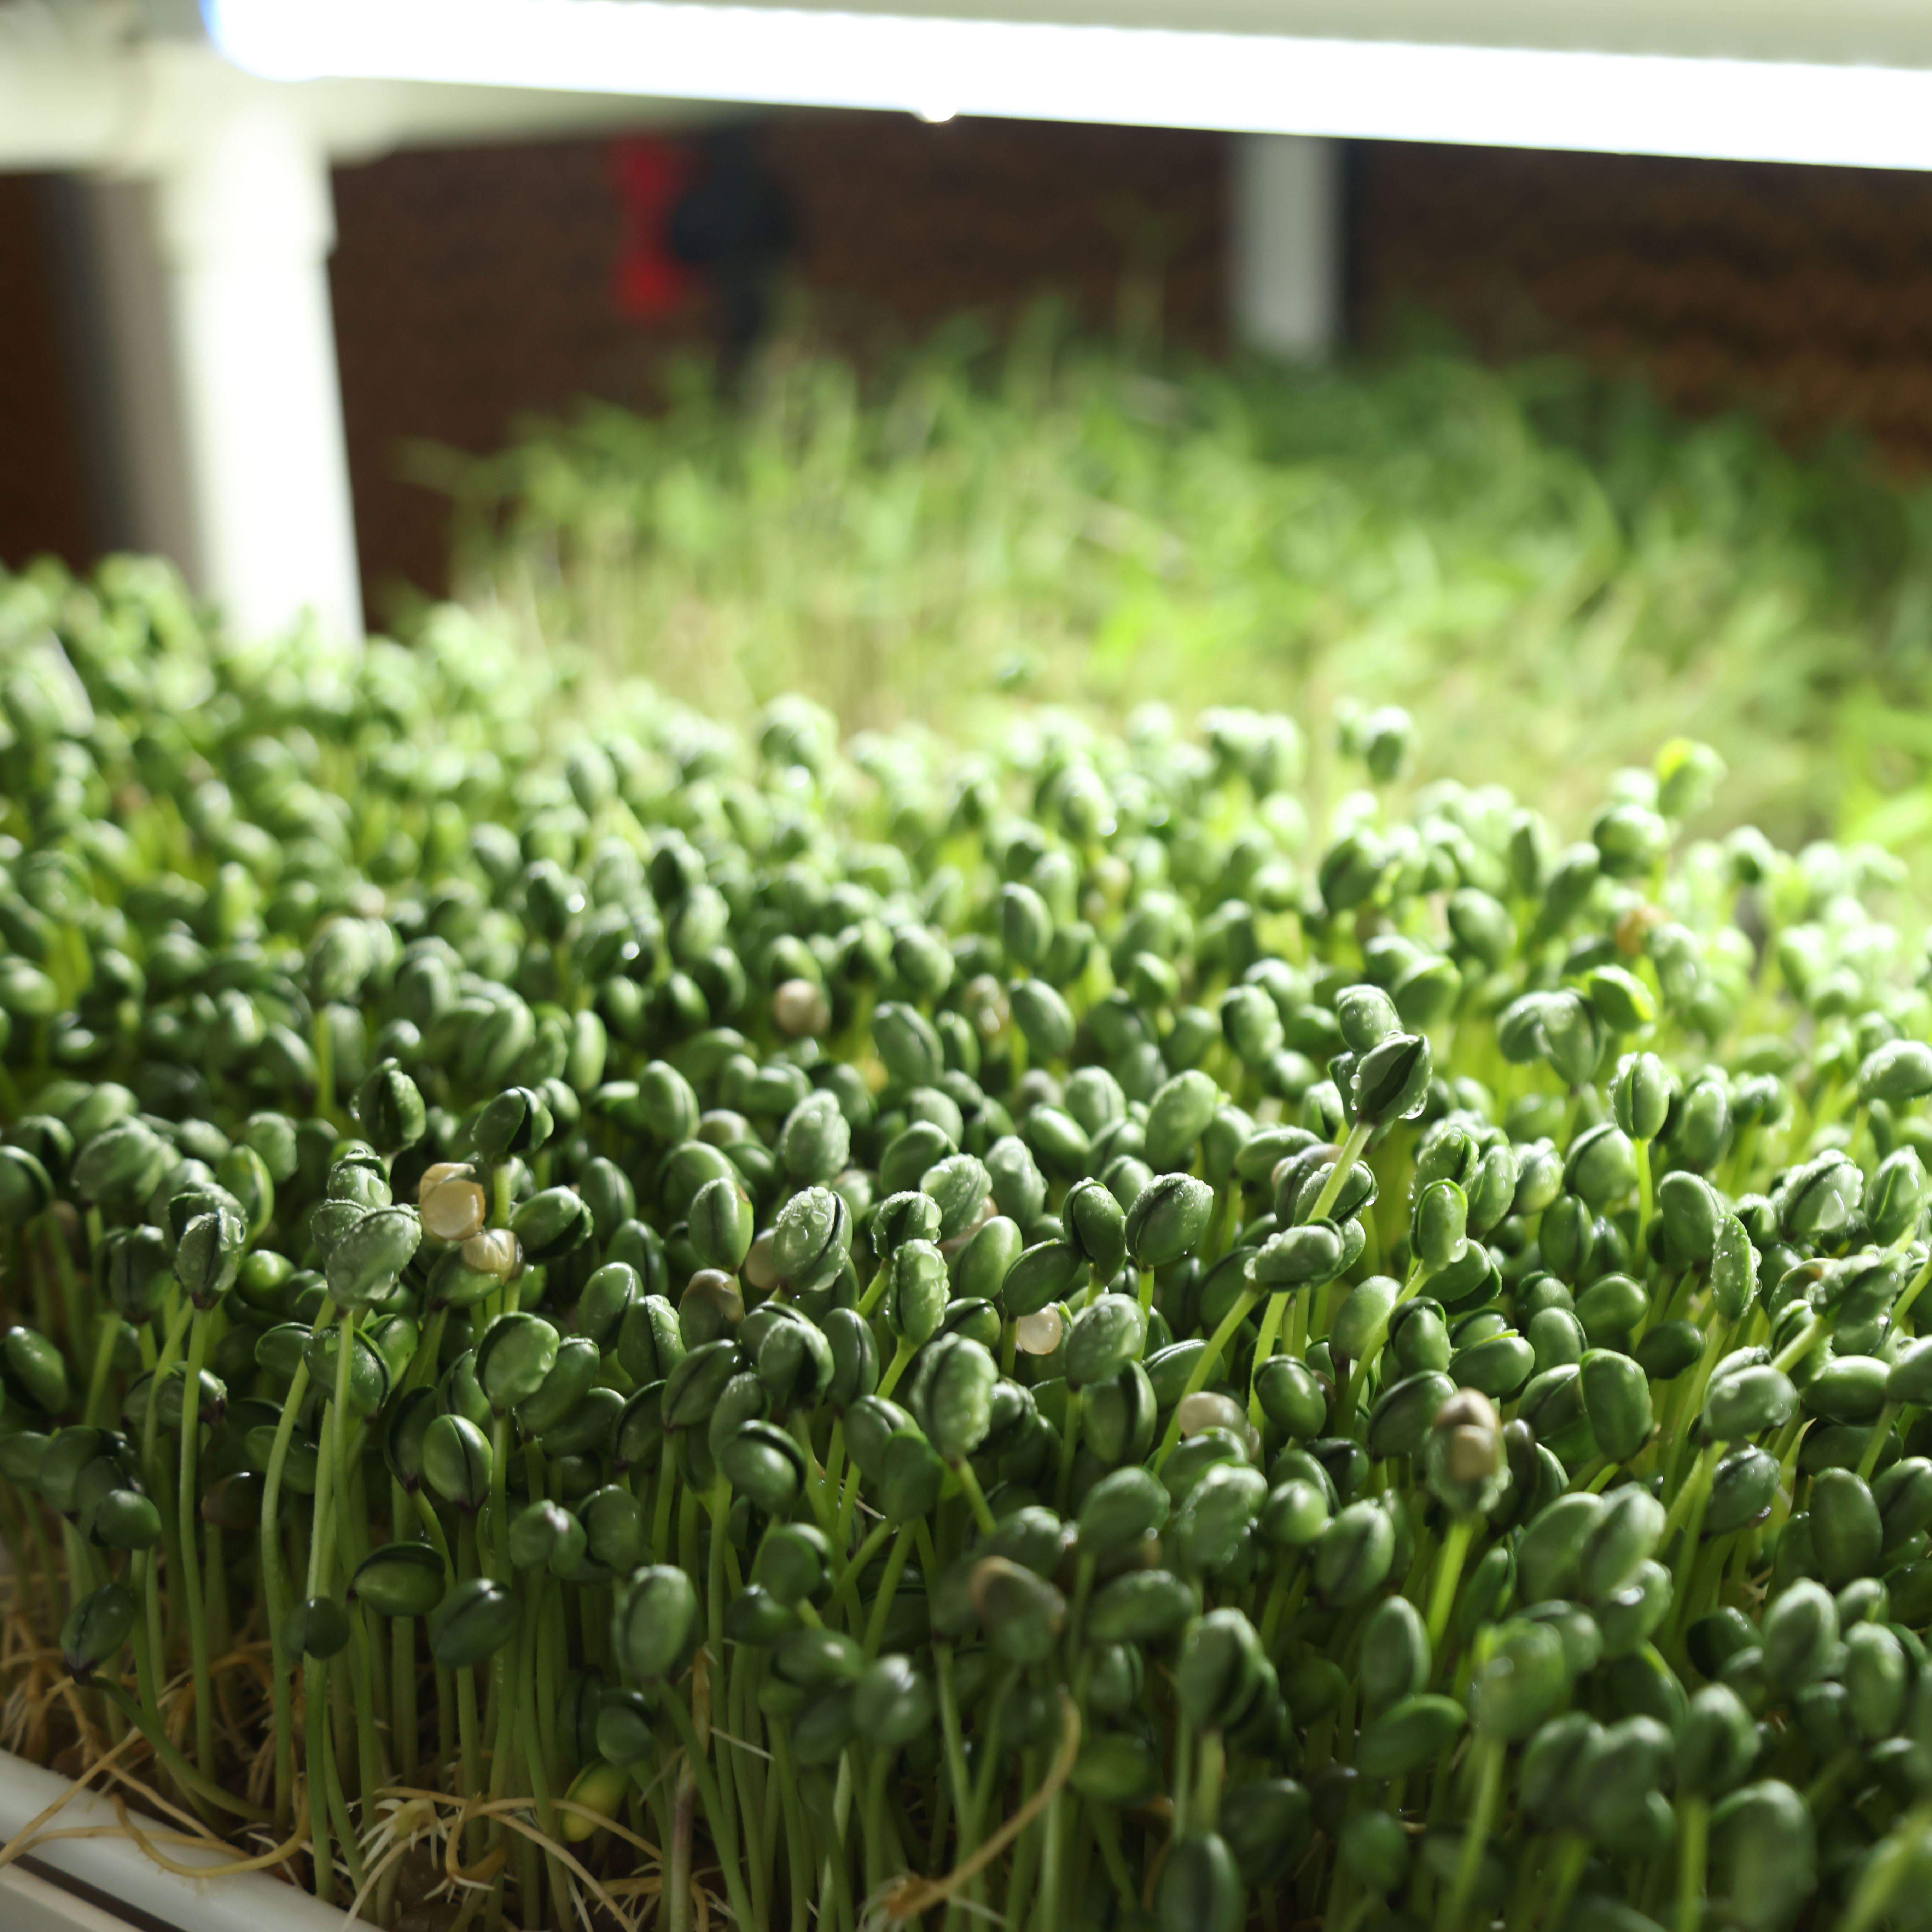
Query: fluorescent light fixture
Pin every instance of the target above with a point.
(1253, 83)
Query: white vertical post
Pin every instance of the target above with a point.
(245, 225)
(1287, 253)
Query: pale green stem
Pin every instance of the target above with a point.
(1875, 1443)
(1693, 1821)
(902, 1356)
(1448, 1574)
(1345, 1165)
(1244, 1307)
(724, 1829)
(1489, 1790)
(190, 1558)
(1644, 1199)
(976, 1497)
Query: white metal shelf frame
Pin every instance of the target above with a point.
(1284, 69)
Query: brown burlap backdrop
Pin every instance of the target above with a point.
(473, 288)
(1807, 291)
(43, 491)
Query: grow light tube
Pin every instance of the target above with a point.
(1252, 83)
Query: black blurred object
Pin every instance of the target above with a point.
(734, 224)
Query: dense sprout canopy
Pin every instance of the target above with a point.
(601, 1310)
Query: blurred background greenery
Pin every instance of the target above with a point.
(1550, 569)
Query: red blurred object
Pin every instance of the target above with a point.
(651, 175)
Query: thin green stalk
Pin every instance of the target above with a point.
(1048, 1914)
(1693, 1827)
(165, 1495)
(874, 1293)
(1197, 1380)
(1345, 1165)
(1069, 1440)
(714, 1589)
(28, 1250)
(799, 1860)
(429, 1352)
(882, 1604)
(1716, 1339)
(432, 1528)
(315, 1732)
(1914, 1289)
(873, 1836)
(403, 1722)
(501, 1722)
(1345, 1409)
(1570, 1862)
(1488, 1769)
(468, 1728)
(43, 1560)
(1107, 1836)
(190, 1557)
(941, 1827)
(758, 1806)
(338, 1812)
(1206, 1807)
(677, 1878)
(834, 1459)
(322, 1038)
(551, 1643)
(660, 1514)
(1801, 1344)
(989, 1764)
(723, 1828)
(1645, 1199)
(502, 1568)
(321, 1764)
(74, 1298)
(275, 1601)
(848, 1584)
(1284, 1597)
(1448, 1574)
(1271, 1322)
(147, 1683)
(835, 1860)
(530, 1731)
(902, 1357)
(953, 1741)
(98, 1410)
(369, 1755)
(1875, 1442)
(1885, 1870)
(841, 1529)
(824, 1508)
(1026, 1852)
(1697, 1488)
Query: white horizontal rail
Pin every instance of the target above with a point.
(116, 1868)
(28, 1903)
(75, 96)
(1250, 83)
